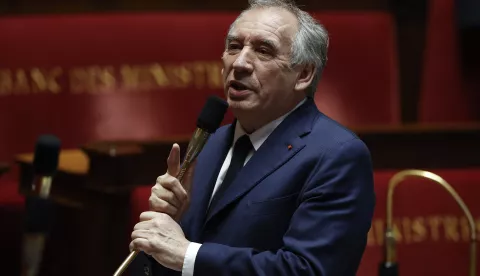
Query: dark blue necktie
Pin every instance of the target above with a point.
(240, 151)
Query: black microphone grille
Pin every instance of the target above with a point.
(47, 151)
(212, 114)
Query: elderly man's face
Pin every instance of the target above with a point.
(257, 71)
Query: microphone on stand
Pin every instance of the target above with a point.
(39, 209)
(208, 122)
(389, 267)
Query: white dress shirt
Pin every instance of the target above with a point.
(257, 138)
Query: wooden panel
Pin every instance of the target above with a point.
(410, 21)
(435, 147)
(47, 6)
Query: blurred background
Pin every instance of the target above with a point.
(119, 81)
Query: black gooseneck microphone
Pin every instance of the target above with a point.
(208, 122)
(39, 209)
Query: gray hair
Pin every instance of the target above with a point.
(310, 44)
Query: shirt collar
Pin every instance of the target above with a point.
(260, 135)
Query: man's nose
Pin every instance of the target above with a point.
(243, 62)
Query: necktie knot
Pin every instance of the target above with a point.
(242, 146)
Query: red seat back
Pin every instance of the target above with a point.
(360, 85)
(443, 98)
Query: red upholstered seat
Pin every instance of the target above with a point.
(444, 97)
(360, 84)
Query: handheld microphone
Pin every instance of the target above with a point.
(39, 211)
(45, 163)
(208, 122)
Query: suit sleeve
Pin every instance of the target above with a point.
(328, 231)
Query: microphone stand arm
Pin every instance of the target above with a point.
(390, 250)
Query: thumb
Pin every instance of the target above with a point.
(173, 161)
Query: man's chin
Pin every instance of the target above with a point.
(241, 107)
(238, 104)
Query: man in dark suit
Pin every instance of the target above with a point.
(284, 190)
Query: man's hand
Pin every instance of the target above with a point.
(169, 196)
(159, 236)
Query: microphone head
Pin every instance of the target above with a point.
(212, 114)
(47, 151)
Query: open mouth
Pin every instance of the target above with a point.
(238, 86)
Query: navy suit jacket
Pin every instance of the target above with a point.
(302, 205)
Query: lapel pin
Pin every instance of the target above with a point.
(289, 147)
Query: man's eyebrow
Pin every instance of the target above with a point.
(231, 38)
(264, 41)
(268, 42)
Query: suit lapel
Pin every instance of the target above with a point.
(216, 150)
(284, 142)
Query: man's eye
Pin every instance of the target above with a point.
(234, 46)
(264, 51)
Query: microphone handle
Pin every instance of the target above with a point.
(196, 144)
(38, 221)
(42, 185)
(125, 263)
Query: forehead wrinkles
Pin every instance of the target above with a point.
(274, 29)
(249, 30)
(272, 21)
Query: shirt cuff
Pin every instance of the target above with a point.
(189, 261)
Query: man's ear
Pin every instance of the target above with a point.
(305, 77)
